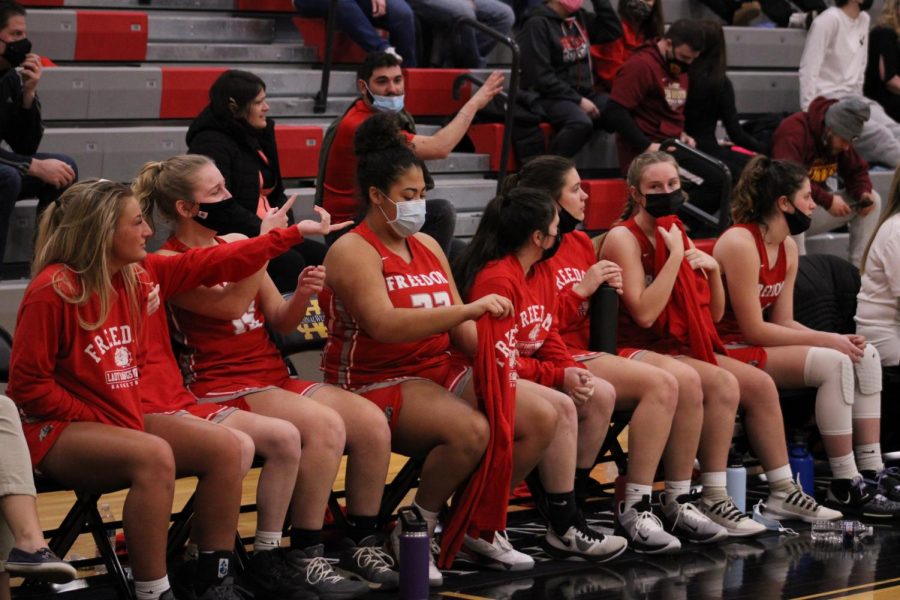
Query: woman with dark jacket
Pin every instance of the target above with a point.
(235, 132)
(882, 82)
(642, 21)
(711, 99)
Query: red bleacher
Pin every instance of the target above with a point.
(605, 203)
(266, 5)
(110, 35)
(487, 138)
(185, 90)
(429, 91)
(298, 149)
(345, 50)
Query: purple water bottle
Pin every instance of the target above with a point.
(415, 547)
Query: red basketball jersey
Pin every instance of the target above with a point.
(220, 357)
(351, 358)
(769, 286)
(567, 267)
(543, 356)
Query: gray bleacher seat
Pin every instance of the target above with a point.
(52, 32)
(65, 93)
(753, 47)
(20, 236)
(207, 28)
(765, 91)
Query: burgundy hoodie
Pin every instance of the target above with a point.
(801, 139)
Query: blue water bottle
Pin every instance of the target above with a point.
(415, 547)
(736, 481)
(802, 464)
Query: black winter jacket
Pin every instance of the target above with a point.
(235, 149)
(546, 68)
(20, 128)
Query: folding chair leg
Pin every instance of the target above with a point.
(108, 553)
(396, 490)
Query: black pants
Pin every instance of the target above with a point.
(285, 269)
(572, 126)
(777, 10)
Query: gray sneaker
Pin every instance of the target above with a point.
(644, 530)
(321, 576)
(370, 563)
(684, 519)
(41, 564)
(580, 542)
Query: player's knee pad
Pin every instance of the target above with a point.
(868, 385)
(832, 373)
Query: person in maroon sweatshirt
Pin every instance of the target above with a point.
(821, 140)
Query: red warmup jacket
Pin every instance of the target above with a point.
(481, 503)
(801, 139)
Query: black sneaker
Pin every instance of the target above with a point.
(860, 499)
(226, 590)
(887, 480)
(270, 575)
(168, 595)
(370, 563)
(320, 575)
(41, 564)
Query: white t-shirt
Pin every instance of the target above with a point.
(878, 302)
(834, 57)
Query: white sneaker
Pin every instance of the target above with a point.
(435, 577)
(644, 530)
(580, 542)
(725, 513)
(684, 520)
(797, 504)
(499, 554)
(393, 52)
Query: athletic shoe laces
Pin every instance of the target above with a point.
(689, 512)
(801, 499)
(319, 570)
(646, 521)
(727, 510)
(375, 558)
(584, 530)
(502, 541)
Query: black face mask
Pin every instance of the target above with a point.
(797, 221)
(219, 216)
(676, 66)
(664, 204)
(638, 10)
(549, 252)
(16, 52)
(567, 223)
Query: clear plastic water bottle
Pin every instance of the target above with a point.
(415, 547)
(107, 516)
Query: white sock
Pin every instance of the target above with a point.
(430, 517)
(677, 488)
(635, 492)
(714, 485)
(266, 540)
(780, 479)
(868, 457)
(151, 590)
(843, 467)
(191, 552)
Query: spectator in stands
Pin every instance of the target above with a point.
(468, 47)
(381, 89)
(24, 173)
(646, 105)
(21, 537)
(642, 21)
(882, 82)
(93, 284)
(878, 302)
(712, 100)
(235, 132)
(739, 12)
(359, 18)
(772, 200)
(394, 315)
(555, 42)
(672, 296)
(222, 334)
(833, 65)
(823, 141)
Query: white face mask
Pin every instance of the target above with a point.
(410, 216)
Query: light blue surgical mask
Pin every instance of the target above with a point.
(410, 216)
(391, 104)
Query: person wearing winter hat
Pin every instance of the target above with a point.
(822, 139)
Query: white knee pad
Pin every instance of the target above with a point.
(832, 373)
(868, 385)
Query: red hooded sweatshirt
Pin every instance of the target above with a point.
(801, 139)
